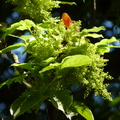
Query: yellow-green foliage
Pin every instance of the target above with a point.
(59, 42)
(58, 58)
(36, 9)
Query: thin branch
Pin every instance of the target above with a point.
(93, 13)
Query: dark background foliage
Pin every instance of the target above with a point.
(91, 13)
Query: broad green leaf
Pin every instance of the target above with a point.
(25, 25)
(51, 66)
(75, 61)
(22, 25)
(94, 29)
(103, 49)
(25, 103)
(106, 41)
(29, 23)
(94, 35)
(65, 2)
(11, 29)
(83, 110)
(61, 100)
(11, 47)
(27, 66)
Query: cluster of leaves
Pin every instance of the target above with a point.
(59, 57)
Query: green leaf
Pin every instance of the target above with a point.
(25, 103)
(51, 66)
(47, 61)
(112, 46)
(27, 66)
(94, 29)
(14, 79)
(7, 82)
(22, 25)
(69, 3)
(29, 23)
(75, 61)
(86, 32)
(116, 101)
(11, 47)
(71, 112)
(11, 29)
(103, 49)
(106, 41)
(25, 25)
(23, 37)
(61, 100)
(94, 35)
(46, 24)
(83, 110)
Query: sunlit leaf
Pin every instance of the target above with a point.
(51, 66)
(61, 100)
(71, 112)
(22, 25)
(106, 41)
(46, 24)
(27, 66)
(11, 47)
(11, 29)
(94, 35)
(25, 25)
(47, 61)
(83, 110)
(25, 103)
(65, 2)
(103, 49)
(23, 37)
(29, 23)
(112, 46)
(92, 32)
(94, 29)
(75, 61)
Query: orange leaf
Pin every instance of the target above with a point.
(66, 20)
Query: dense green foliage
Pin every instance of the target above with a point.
(36, 9)
(59, 58)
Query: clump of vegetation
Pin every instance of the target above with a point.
(59, 57)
